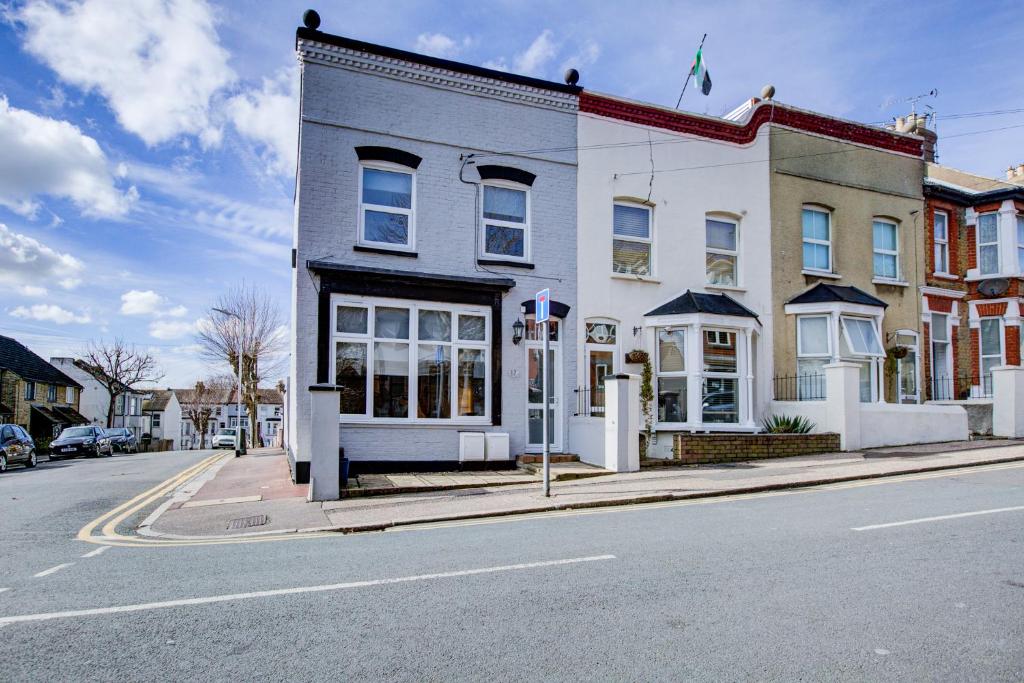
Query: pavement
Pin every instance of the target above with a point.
(914, 577)
(238, 501)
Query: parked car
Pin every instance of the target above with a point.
(123, 439)
(74, 441)
(16, 447)
(224, 438)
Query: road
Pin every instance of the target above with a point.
(784, 586)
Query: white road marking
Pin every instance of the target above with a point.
(52, 570)
(94, 553)
(4, 589)
(940, 518)
(46, 616)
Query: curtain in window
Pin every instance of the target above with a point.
(504, 204)
(391, 323)
(390, 379)
(350, 376)
(815, 225)
(720, 234)
(435, 326)
(471, 389)
(671, 350)
(434, 381)
(633, 258)
(387, 188)
(503, 240)
(813, 336)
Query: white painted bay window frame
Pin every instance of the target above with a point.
(455, 344)
(364, 206)
(806, 387)
(694, 325)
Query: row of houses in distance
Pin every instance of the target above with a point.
(741, 256)
(45, 397)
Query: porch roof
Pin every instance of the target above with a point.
(699, 302)
(824, 292)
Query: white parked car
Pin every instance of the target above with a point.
(225, 438)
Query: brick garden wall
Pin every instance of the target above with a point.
(710, 448)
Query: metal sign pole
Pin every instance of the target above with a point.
(546, 410)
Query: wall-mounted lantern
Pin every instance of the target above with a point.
(517, 331)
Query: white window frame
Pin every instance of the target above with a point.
(895, 253)
(364, 207)
(981, 244)
(525, 226)
(915, 348)
(981, 347)
(735, 253)
(51, 393)
(589, 346)
(414, 306)
(1020, 242)
(69, 394)
(941, 245)
(939, 391)
(649, 241)
(846, 335)
(811, 240)
(706, 374)
(805, 388)
(687, 331)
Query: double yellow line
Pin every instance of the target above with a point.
(109, 534)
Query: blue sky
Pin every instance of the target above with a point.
(147, 146)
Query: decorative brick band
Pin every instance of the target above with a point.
(710, 448)
(991, 310)
(720, 129)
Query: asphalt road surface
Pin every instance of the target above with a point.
(824, 584)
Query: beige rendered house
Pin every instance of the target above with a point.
(847, 258)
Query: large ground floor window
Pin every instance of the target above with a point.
(397, 360)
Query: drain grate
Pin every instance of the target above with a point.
(246, 522)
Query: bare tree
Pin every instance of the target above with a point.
(120, 368)
(200, 403)
(245, 318)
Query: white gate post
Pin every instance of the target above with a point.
(1008, 401)
(842, 403)
(622, 423)
(325, 406)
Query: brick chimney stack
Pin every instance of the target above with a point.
(1015, 175)
(917, 124)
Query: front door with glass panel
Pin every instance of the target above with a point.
(535, 389)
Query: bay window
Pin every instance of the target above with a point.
(632, 239)
(386, 205)
(506, 221)
(886, 254)
(860, 340)
(940, 231)
(720, 398)
(813, 353)
(722, 251)
(991, 337)
(988, 243)
(671, 371)
(411, 361)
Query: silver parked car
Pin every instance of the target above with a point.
(225, 438)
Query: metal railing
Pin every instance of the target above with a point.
(589, 402)
(958, 388)
(799, 387)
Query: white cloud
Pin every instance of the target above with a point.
(533, 60)
(583, 57)
(33, 291)
(171, 329)
(270, 117)
(50, 313)
(541, 51)
(148, 302)
(440, 45)
(158, 63)
(44, 156)
(25, 262)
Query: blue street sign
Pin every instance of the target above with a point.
(542, 305)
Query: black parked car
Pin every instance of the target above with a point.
(74, 441)
(122, 439)
(16, 447)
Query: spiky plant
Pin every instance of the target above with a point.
(787, 424)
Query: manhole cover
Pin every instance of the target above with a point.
(246, 522)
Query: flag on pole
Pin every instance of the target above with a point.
(700, 72)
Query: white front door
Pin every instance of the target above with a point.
(535, 400)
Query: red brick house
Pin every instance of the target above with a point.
(971, 304)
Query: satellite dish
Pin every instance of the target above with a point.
(994, 287)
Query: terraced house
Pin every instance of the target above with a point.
(433, 199)
(34, 394)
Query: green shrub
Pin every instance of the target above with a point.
(787, 424)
